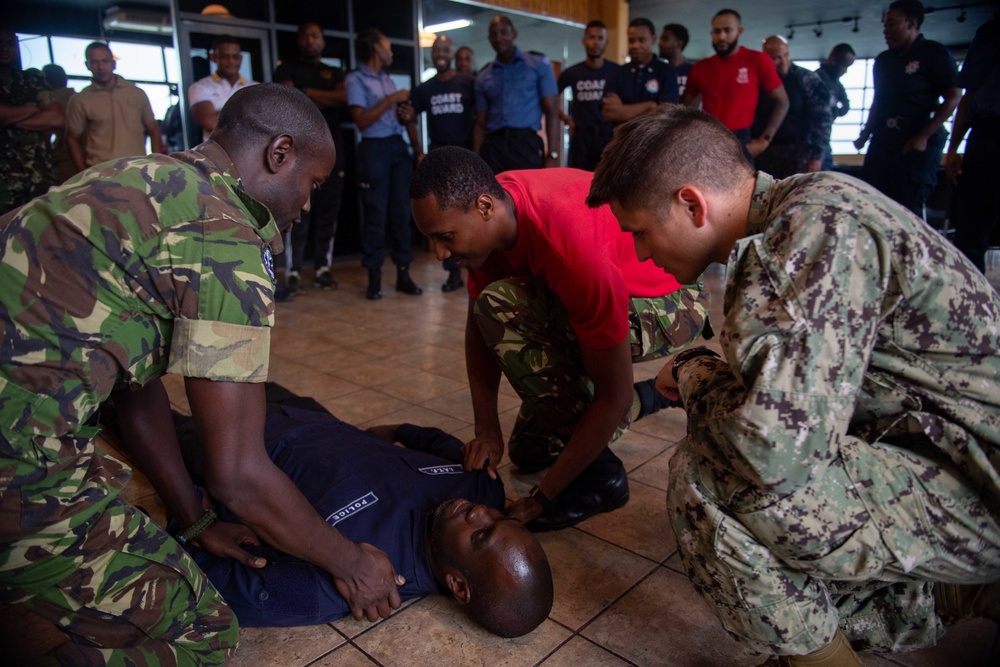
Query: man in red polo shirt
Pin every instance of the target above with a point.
(561, 305)
(727, 84)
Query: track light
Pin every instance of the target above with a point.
(791, 33)
(961, 16)
(818, 30)
(855, 28)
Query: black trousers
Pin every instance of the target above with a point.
(977, 197)
(512, 148)
(585, 147)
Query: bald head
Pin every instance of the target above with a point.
(776, 46)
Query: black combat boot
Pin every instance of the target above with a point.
(374, 291)
(404, 283)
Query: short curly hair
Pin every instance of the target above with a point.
(455, 176)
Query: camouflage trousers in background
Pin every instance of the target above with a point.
(124, 590)
(527, 327)
(783, 574)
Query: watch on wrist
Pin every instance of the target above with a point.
(553, 155)
(540, 498)
(766, 137)
(688, 355)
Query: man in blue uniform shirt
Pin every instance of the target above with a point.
(589, 131)
(442, 528)
(645, 82)
(512, 94)
(906, 119)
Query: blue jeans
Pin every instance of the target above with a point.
(384, 171)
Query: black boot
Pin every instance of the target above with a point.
(601, 487)
(404, 283)
(454, 281)
(374, 292)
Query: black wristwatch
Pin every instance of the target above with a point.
(688, 355)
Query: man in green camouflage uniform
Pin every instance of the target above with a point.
(140, 267)
(559, 304)
(28, 115)
(843, 453)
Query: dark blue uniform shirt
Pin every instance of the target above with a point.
(654, 82)
(908, 86)
(588, 87)
(511, 94)
(370, 490)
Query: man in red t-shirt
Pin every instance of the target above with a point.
(561, 305)
(727, 84)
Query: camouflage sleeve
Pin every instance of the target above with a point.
(820, 115)
(226, 335)
(797, 340)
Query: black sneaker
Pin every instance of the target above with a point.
(374, 291)
(325, 279)
(293, 283)
(281, 294)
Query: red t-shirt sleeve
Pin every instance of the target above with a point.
(767, 73)
(692, 87)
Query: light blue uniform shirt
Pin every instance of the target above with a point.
(365, 89)
(512, 94)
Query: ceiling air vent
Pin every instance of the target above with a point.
(130, 19)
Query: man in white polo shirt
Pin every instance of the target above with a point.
(206, 96)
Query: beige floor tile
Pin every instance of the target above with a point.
(421, 416)
(656, 471)
(351, 628)
(371, 373)
(588, 574)
(285, 646)
(663, 622)
(578, 652)
(435, 631)
(641, 526)
(517, 484)
(304, 381)
(363, 406)
(345, 656)
(415, 386)
(635, 448)
(427, 356)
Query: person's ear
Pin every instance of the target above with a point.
(485, 206)
(279, 153)
(694, 204)
(459, 587)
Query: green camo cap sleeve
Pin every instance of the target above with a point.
(219, 351)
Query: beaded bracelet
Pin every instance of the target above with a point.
(198, 527)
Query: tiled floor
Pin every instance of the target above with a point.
(621, 597)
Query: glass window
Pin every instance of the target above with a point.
(70, 53)
(34, 51)
(159, 97)
(138, 62)
(173, 64)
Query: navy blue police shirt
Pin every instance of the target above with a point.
(653, 82)
(588, 86)
(370, 491)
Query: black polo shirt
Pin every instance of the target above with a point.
(654, 82)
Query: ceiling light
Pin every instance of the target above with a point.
(449, 25)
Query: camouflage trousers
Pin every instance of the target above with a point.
(119, 585)
(527, 327)
(783, 575)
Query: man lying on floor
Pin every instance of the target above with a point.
(442, 528)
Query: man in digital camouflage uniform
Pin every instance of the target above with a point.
(842, 456)
(140, 267)
(559, 304)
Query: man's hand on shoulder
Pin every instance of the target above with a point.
(372, 587)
